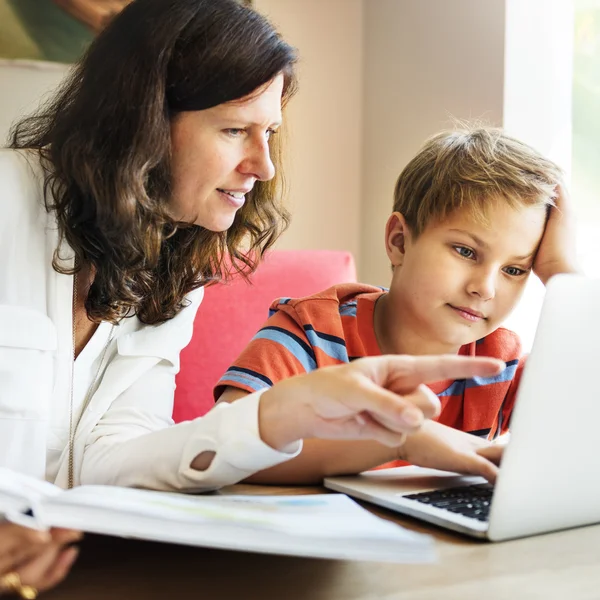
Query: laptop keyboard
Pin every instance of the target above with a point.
(471, 500)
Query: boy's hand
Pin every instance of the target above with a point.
(557, 251)
(438, 446)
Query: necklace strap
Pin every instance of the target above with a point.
(88, 395)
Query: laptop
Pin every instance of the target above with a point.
(550, 474)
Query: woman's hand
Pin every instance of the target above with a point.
(558, 252)
(41, 559)
(438, 446)
(379, 398)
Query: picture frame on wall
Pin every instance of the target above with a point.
(52, 30)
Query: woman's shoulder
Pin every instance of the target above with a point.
(165, 340)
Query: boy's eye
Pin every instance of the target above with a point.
(464, 251)
(514, 271)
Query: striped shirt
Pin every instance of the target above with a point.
(336, 326)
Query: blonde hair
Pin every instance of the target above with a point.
(471, 168)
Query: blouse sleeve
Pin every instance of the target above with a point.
(138, 448)
(133, 441)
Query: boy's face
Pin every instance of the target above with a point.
(458, 280)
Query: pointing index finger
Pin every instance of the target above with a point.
(405, 373)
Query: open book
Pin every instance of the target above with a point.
(320, 526)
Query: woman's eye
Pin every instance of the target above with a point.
(514, 271)
(270, 133)
(464, 251)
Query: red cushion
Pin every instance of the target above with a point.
(231, 314)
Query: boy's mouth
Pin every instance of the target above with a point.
(469, 314)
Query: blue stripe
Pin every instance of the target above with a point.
(279, 301)
(332, 346)
(243, 379)
(457, 388)
(292, 343)
(507, 375)
(236, 369)
(348, 309)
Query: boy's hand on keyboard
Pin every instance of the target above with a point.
(493, 453)
(438, 446)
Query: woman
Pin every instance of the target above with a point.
(152, 169)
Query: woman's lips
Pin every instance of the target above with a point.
(236, 199)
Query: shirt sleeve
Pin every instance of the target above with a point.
(135, 448)
(279, 350)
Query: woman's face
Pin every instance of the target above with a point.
(219, 153)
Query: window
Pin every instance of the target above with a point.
(585, 183)
(586, 109)
(552, 101)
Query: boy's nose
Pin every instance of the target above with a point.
(483, 285)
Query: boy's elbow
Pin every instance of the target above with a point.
(231, 394)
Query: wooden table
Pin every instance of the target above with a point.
(563, 565)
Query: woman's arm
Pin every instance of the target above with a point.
(320, 458)
(434, 445)
(375, 398)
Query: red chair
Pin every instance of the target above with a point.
(231, 314)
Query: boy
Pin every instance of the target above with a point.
(474, 213)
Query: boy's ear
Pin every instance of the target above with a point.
(396, 234)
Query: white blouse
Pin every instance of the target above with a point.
(87, 368)
(125, 435)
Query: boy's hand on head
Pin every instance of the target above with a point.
(438, 446)
(557, 251)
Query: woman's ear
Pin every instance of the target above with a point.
(396, 234)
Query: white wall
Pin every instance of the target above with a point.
(324, 121)
(426, 61)
(22, 86)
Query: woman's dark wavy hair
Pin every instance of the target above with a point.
(104, 142)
